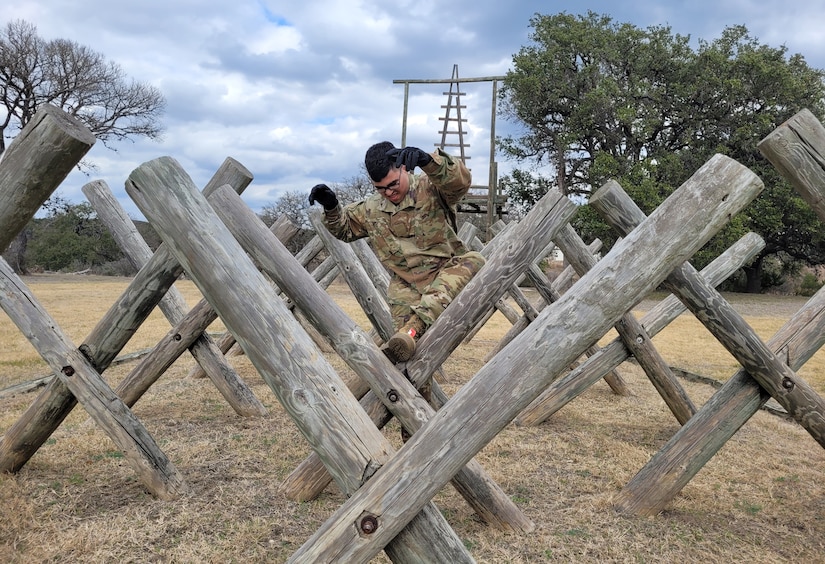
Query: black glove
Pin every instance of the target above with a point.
(410, 157)
(324, 195)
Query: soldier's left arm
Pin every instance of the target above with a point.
(448, 175)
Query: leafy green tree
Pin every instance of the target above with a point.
(71, 238)
(601, 100)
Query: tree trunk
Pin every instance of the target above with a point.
(15, 255)
(754, 275)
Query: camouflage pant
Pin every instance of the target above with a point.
(429, 303)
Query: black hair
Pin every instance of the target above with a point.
(377, 162)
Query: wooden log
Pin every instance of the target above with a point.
(304, 382)
(153, 468)
(35, 163)
(795, 149)
(558, 285)
(106, 340)
(173, 305)
(227, 341)
(368, 297)
(565, 389)
(549, 295)
(501, 270)
(172, 345)
(506, 384)
(792, 392)
(634, 336)
(357, 349)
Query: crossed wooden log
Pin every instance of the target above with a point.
(389, 493)
(449, 439)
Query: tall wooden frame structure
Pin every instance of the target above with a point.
(482, 198)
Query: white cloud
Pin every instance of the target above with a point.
(296, 91)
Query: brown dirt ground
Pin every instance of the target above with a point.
(760, 499)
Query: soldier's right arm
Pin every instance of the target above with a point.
(347, 223)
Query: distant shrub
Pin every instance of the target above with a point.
(809, 285)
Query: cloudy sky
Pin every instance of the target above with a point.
(297, 90)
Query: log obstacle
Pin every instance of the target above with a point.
(102, 346)
(506, 384)
(722, 320)
(312, 393)
(173, 305)
(389, 493)
(795, 149)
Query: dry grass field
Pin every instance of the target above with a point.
(761, 499)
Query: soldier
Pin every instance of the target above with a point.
(410, 221)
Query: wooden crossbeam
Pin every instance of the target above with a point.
(506, 384)
(569, 387)
(106, 340)
(310, 390)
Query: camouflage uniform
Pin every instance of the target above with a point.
(427, 261)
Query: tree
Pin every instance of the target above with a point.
(71, 237)
(602, 100)
(62, 73)
(34, 71)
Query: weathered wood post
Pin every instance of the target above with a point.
(726, 324)
(549, 294)
(311, 392)
(556, 288)
(506, 384)
(357, 349)
(795, 149)
(634, 336)
(75, 372)
(106, 340)
(173, 305)
(304, 256)
(36, 162)
(565, 389)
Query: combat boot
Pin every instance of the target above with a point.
(401, 346)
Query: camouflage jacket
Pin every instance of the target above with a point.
(414, 238)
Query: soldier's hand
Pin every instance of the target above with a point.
(324, 195)
(410, 157)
